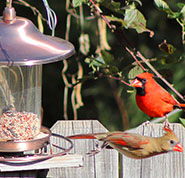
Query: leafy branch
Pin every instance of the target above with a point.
(178, 15)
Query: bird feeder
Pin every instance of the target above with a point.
(23, 50)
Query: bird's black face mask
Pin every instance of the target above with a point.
(141, 91)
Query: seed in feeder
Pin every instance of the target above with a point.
(19, 125)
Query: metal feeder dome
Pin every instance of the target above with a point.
(21, 43)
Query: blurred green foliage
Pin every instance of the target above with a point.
(105, 99)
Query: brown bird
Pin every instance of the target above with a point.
(151, 98)
(134, 145)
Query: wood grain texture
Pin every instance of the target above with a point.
(170, 165)
(73, 160)
(102, 165)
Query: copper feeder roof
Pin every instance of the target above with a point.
(21, 43)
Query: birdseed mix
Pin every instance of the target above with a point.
(19, 125)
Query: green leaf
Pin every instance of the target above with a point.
(133, 72)
(77, 3)
(116, 19)
(162, 5)
(182, 121)
(98, 61)
(107, 57)
(182, 12)
(180, 5)
(181, 21)
(95, 63)
(135, 19)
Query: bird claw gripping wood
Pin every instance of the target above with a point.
(166, 124)
(147, 123)
(98, 148)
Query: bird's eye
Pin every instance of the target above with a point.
(172, 142)
(144, 80)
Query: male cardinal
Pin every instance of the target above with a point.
(134, 145)
(151, 98)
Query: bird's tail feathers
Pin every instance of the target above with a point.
(82, 136)
(180, 106)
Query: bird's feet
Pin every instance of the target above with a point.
(147, 123)
(93, 152)
(98, 149)
(166, 123)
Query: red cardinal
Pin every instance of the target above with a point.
(134, 145)
(151, 98)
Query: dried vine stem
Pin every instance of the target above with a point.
(76, 99)
(66, 88)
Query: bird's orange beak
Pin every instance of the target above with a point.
(178, 148)
(136, 83)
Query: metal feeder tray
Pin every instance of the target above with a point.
(11, 147)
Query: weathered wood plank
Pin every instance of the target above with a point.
(170, 165)
(60, 161)
(102, 165)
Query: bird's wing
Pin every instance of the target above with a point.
(127, 140)
(167, 97)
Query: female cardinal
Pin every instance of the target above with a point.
(151, 98)
(134, 145)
